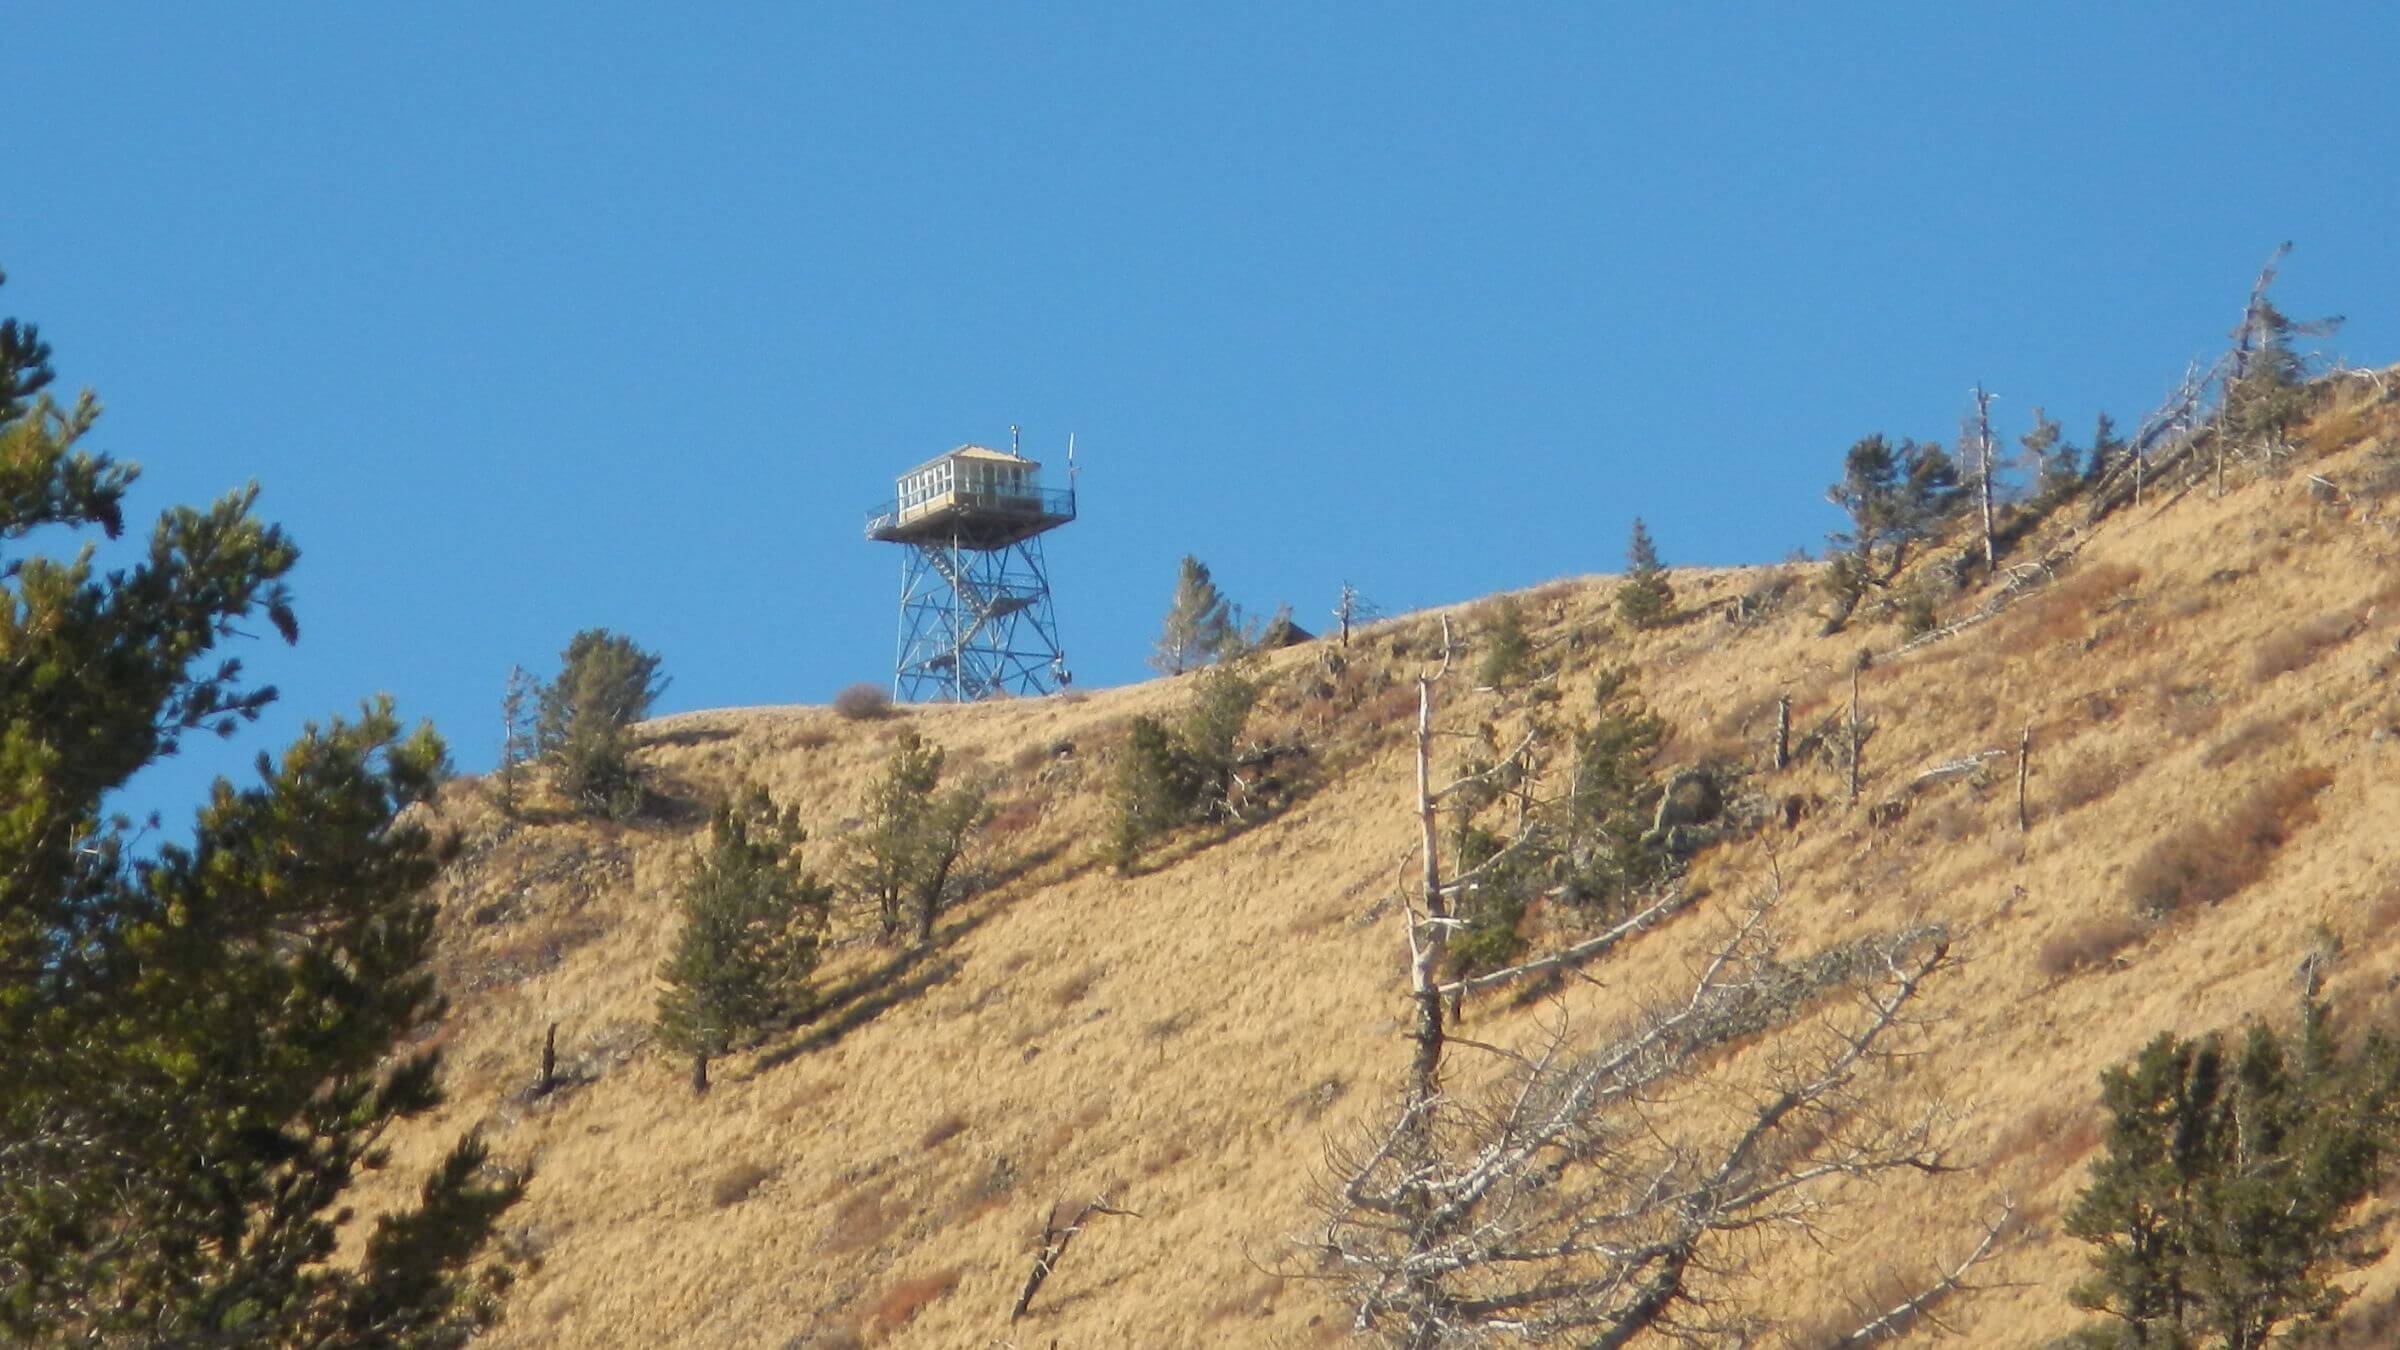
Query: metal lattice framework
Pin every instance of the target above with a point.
(976, 620)
(976, 623)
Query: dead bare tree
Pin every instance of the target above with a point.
(1578, 1196)
(2024, 766)
(1054, 1246)
(1983, 475)
(1856, 743)
(2192, 416)
(1353, 609)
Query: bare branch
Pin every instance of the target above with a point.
(1054, 1246)
(1898, 1319)
(1591, 948)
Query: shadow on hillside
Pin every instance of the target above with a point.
(1051, 1307)
(672, 803)
(694, 736)
(1284, 797)
(1017, 867)
(856, 1002)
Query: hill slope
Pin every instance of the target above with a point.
(1189, 1039)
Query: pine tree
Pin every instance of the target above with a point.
(2106, 448)
(1894, 498)
(1148, 793)
(1211, 735)
(204, 1046)
(517, 701)
(2266, 394)
(1200, 627)
(1170, 776)
(1646, 597)
(2270, 396)
(1507, 650)
(2223, 1204)
(605, 684)
(752, 921)
(916, 832)
(2051, 460)
(1605, 818)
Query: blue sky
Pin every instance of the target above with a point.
(537, 317)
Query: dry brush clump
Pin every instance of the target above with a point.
(942, 1131)
(2250, 738)
(863, 703)
(2088, 945)
(2067, 609)
(737, 1182)
(2203, 862)
(2296, 648)
(899, 1305)
(2086, 779)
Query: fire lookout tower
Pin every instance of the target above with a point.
(975, 618)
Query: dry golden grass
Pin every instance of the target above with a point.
(1170, 1037)
(2209, 859)
(2088, 945)
(2297, 647)
(902, 1302)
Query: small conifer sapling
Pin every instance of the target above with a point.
(753, 919)
(1646, 597)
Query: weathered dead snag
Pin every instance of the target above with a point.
(1576, 1196)
(1054, 1246)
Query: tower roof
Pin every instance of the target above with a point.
(981, 452)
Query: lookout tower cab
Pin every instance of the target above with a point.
(975, 614)
(977, 497)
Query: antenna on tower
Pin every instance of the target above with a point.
(1012, 442)
(1070, 459)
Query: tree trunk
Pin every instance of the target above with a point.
(549, 1077)
(699, 1075)
(1424, 968)
(1854, 669)
(2024, 755)
(1783, 732)
(1983, 440)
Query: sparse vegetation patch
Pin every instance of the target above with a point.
(2203, 862)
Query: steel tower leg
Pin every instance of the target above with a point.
(976, 623)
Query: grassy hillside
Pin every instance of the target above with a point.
(2213, 690)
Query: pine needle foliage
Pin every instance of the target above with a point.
(2226, 1200)
(605, 684)
(753, 919)
(2266, 394)
(1169, 776)
(1581, 844)
(916, 833)
(204, 1042)
(1200, 627)
(518, 700)
(1507, 649)
(1645, 598)
(2108, 449)
(1895, 497)
(2054, 462)
(1608, 800)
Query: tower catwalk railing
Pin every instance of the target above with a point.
(1049, 506)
